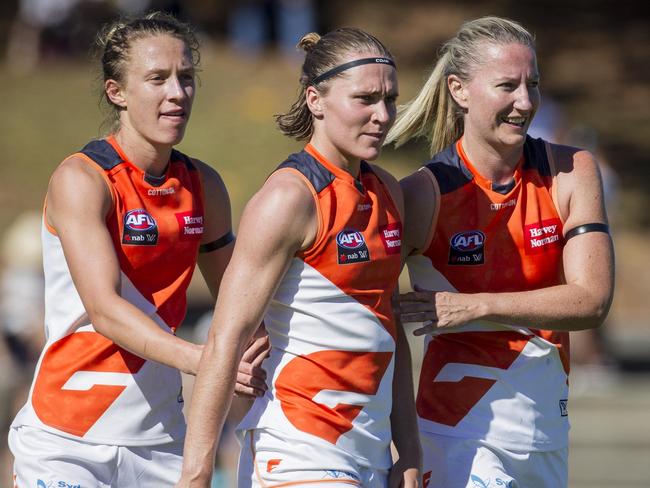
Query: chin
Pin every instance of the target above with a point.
(371, 154)
(171, 139)
(513, 140)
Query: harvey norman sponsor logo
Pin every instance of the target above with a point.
(190, 225)
(543, 236)
(391, 237)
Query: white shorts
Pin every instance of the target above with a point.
(43, 459)
(450, 462)
(268, 461)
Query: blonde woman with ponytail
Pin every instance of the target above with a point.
(318, 257)
(508, 251)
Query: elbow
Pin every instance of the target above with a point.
(101, 314)
(100, 320)
(597, 312)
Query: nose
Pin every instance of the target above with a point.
(176, 89)
(382, 113)
(525, 99)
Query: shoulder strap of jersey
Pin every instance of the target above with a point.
(540, 155)
(317, 178)
(179, 156)
(315, 173)
(102, 153)
(448, 170)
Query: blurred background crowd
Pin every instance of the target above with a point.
(594, 58)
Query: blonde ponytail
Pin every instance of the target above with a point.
(433, 113)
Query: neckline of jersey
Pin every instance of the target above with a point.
(331, 167)
(482, 180)
(164, 177)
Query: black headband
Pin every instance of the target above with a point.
(352, 64)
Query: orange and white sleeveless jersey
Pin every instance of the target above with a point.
(331, 325)
(503, 384)
(85, 386)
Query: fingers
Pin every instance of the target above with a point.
(247, 391)
(429, 327)
(258, 347)
(250, 375)
(419, 317)
(413, 307)
(252, 370)
(249, 384)
(415, 296)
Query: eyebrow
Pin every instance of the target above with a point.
(376, 92)
(509, 78)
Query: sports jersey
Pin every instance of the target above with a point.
(507, 385)
(85, 386)
(331, 326)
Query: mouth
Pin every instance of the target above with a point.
(375, 135)
(178, 115)
(516, 121)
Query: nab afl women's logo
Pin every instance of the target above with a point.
(351, 247)
(467, 248)
(139, 228)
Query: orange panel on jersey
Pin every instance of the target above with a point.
(347, 371)
(75, 411)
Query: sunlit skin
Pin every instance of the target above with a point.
(355, 112)
(500, 100)
(156, 95)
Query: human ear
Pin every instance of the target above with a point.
(114, 93)
(457, 90)
(314, 101)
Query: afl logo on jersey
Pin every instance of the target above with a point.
(139, 220)
(140, 228)
(352, 247)
(466, 248)
(350, 239)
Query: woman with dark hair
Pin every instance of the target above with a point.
(124, 222)
(318, 255)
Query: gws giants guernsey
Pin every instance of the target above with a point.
(85, 386)
(506, 385)
(331, 326)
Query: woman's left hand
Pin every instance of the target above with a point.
(438, 309)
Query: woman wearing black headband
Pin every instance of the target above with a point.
(508, 242)
(318, 252)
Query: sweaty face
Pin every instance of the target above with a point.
(358, 109)
(502, 95)
(158, 89)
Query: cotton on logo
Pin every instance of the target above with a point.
(79, 378)
(350, 239)
(470, 240)
(139, 219)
